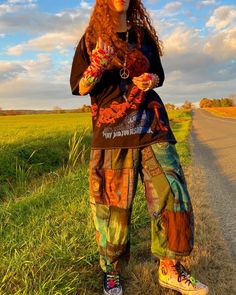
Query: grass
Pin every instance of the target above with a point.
(181, 126)
(46, 230)
(225, 112)
(44, 136)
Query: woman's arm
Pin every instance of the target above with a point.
(87, 72)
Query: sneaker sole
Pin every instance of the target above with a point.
(105, 293)
(183, 292)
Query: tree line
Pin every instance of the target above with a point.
(212, 103)
(187, 105)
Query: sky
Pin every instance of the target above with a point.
(38, 39)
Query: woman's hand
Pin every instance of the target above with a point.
(146, 81)
(103, 46)
(101, 56)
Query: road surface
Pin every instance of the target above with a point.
(214, 149)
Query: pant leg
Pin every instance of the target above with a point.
(168, 201)
(113, 182)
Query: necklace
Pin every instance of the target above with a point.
(124, 72)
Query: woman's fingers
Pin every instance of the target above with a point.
(102, 45)
(142, 81)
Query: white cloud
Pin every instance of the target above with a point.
(26, 69)
(9, 70)
(181, 40)
(12, 6)
(221, 42)
(172, 6)
(208, 2)
(58, 31)
(40, 22)
(222, 45)
(21, 1)
(170, 9)
(223, 16)
(48, 42)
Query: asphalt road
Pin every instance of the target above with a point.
(214, 150)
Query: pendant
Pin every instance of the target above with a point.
(124, 73)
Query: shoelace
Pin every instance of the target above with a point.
(183, 275)
(113, 280)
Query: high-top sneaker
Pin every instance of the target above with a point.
(173, 275)
(112, 283)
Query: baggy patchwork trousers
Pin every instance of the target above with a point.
(113, 182)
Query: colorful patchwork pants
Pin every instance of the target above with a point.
(113, 182)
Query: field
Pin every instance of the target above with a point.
(226, 112)
(46, 230)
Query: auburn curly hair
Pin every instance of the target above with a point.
(102, 23)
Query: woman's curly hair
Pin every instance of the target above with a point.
(103, 23)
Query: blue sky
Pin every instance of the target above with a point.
(37, 40)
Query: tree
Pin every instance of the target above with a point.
(233, 97)
(169, 106)
(216, 103)
(226, 102)
(206, 103)
(188, 105)
(58, 110)
(86, 108)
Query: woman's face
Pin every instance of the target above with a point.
(119, 5)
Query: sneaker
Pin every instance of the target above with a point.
(173, 275)
(112, 283)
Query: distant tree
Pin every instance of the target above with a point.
(233, 97)
(169, 106)
(216, 103)
(58, 110)
(226, 102)
(188, 105)
(11, 112)
(86, 108)
(206, 103)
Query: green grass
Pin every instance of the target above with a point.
(47, 239)
(46, 136)
(181, 124)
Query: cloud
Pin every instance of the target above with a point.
(26, 69)
(49, 42)
(57, 31)
(180, 40)
(36, 84)
(9, 70)
(222, 45)
(207, 3)
(223, 17)
(40, 22)
(221, 42)
(170, 9)
(13, 6)
(195, 64)
(21, 1)
(172, 6)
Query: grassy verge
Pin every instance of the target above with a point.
(47, 239)
(181, 125)
(47, 234)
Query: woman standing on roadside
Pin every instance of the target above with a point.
(117, 62)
